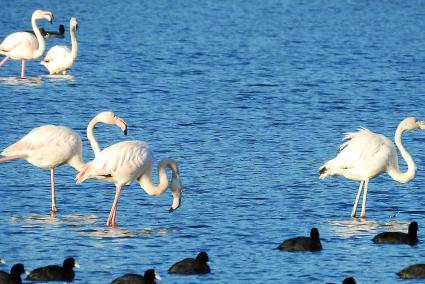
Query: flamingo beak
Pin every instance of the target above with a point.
(122, 124)
(176, 204)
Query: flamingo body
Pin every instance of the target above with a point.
(58, 60)
(19, 45)
(364, 155)
(121, 163)
(47, 146)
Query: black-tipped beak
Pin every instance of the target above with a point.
(51, 19)
(178, 205)
(122, 124)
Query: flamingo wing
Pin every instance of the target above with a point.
(363, 155)
(57, 53)
(120, 163)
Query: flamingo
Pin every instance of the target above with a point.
(50, 146)
(127, 161)
(59, 58)
(365, 155)
(24, 45)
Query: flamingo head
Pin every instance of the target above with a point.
(42, 14)
(176, 190)
(73, 23)
(421, 124)
(109, 117)
(411, 123)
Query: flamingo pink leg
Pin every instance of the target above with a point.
(23, 69)
(4, 61)
(363, 213)
(353, 213)
(52, 181)
(111, 219)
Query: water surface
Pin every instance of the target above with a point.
(250, 99)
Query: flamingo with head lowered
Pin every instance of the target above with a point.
(50, 146)
(365, 155)
(59, 59)
(128, 161)
(25, 45)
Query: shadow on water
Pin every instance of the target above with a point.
(77, 220)
(106, 232)
(34, 81)
(355, 227)
(17, 81)
(35, 220)
(58, 77)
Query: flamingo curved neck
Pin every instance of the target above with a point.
(91, 138)
(40, 39)
(74, 44)
(77, 162)
(394, 172)
(146, 180)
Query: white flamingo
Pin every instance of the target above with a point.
(59, 59)
(25, 45)
(127, 161)
(50, 146)
(364, 155)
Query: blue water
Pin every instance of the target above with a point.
(250, 97)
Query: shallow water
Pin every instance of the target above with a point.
(250, 99)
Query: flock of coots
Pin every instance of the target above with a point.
(313, 244)
(199, 265)
(65, 273)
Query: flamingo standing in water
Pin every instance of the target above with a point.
(50, 146)
(25, 45)
(59, 59)
(364, 155)
(127, 161)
